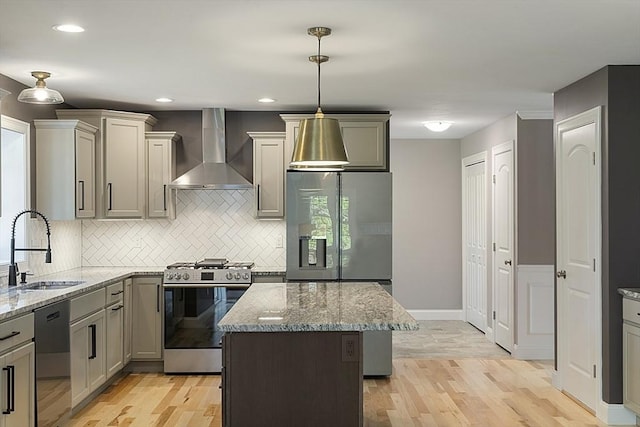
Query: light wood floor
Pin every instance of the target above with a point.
(453, 389)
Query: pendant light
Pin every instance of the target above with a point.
(319, 144)
(40, 93)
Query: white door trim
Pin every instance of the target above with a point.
(508, 145)
(593, 115)
(481, 157)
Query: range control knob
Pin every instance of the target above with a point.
(170, 276)
(245, 276)
(229, 275)
(185, 276)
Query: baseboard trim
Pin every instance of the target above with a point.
(615, 414)
(532, 353)
(437, 314)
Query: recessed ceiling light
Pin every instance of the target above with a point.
(68, 28)
(437, 125)
(163, 99)
(266, 100)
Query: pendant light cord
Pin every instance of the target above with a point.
(318, 61)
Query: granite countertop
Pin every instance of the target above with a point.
(19, 300)
(632, 293)
(330, 306)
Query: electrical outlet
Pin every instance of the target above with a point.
(279, 241)
(350, 348)
(137, 243)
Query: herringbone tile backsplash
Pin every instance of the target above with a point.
(208, 224)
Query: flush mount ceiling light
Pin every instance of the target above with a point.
(40, 93)
(319, 143)
(266, 100)
(437, 126)
(68, 28)
(164, 99)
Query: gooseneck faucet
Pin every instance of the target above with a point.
(13, 268)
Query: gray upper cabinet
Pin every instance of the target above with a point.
(65, 161)
(161, 170)
(120, 167)
(268, 173)
(364, 135)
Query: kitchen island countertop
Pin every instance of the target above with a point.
(322, 306)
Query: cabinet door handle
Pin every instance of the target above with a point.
(258, 197)
(158, 298)
(12, 406)
(109, 187)
(8, 410)
(11, 335)
(81, 183)
(93, 341)
(164, 196)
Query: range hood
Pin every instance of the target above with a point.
(213, 173)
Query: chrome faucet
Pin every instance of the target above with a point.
(13, 268)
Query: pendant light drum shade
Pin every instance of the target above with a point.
(319, 144)
(40, 93)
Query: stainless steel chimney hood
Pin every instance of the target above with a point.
(213, 173)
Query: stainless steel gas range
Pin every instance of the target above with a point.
(196, 296)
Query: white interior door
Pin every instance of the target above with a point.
(503, 238)
(475, 240)
(578, 243)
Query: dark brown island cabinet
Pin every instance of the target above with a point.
(292, 352)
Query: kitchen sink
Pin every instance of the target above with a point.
(51, 285)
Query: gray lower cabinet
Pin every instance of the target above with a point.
(146, 334)
(631, 354)
(88, 344)
(114, 319)
(17, 368)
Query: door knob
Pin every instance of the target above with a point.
(562, 274)
(507, 262)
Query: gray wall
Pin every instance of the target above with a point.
(27, 113)
(427, 218)
(502, 131)
(536, 192)
(617, 89)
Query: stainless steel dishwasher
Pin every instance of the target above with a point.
(53, 364)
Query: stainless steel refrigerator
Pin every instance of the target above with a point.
(339, 228)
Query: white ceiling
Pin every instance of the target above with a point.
(468, 61)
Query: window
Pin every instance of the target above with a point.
(14, 186)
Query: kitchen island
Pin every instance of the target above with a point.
(292, 352)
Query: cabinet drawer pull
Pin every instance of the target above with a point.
(116, 293)
(117, 308)
(11, 335)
